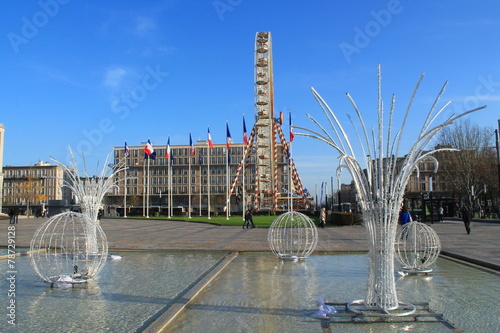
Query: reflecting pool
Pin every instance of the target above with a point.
(125, 297)
(255, 293)
(258, 293)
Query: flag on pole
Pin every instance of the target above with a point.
(191, 147)
(291, 128)
(228, 138)
(245, 134)
(149, 151)
(127, 150)
(167, 152)
(210, 143)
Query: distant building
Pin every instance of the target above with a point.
(48, 177)
(198, 178)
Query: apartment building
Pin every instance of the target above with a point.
(47, 178)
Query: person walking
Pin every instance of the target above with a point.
(466, 217)
(440, 214)
(16, 214)
(404, 216)
(248, 220)
(11, 216)
(322, 218)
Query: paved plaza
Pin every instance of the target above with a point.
(481, 246)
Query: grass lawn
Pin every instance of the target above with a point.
(260, 221)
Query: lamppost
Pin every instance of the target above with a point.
(431, 202)
(497, 134)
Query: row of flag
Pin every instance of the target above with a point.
(150, 153)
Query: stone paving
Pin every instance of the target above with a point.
(482, 246)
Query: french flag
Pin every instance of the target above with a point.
(210, 143)
(127, 150)
(149, 152)
(245, 135)
(191, 147)
(167, 152)
(228, 138)
(291, 128)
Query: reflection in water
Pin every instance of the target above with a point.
(258, 293)
(255, 293)
(125, 296)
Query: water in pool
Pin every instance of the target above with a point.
(255, 293)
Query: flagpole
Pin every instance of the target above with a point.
(199, 192)
(144, 188)
(169, 184)
(189, 174)
(208, 180)
(228, 203)
(243, 201)
(290, 192)
(125, 186)
(125, 193)
(243, 198)
(290, 198)
(148, 189)
(171, 181)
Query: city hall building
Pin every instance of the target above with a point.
(189, 178)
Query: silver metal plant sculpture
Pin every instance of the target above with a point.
(380, 182)
(90, 191)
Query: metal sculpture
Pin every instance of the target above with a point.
(417, 247)
(90, 191)
(380, 184)
(292, 236)
(68, 248)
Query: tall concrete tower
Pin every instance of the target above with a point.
(2, 133)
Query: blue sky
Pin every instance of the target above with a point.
(91, 74)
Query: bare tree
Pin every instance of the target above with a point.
(471, 168)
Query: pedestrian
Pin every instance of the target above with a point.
(404, 216)
(466, 217)
(248, 220)
(16, 215)
(322, 218)
(440, 214)
(11, 216)
(99, 214)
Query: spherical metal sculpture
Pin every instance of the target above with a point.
(292, 236)
(69, 248)
(417, 247)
